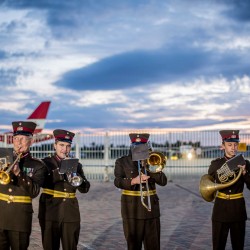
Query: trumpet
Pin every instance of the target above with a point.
(4, 174)
(73, 178)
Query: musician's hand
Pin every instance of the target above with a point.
(243, 167)
(144, 178)
(137, 180)
(16, 170)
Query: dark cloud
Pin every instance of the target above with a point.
(238, 10)
(94, 117)
(8, 76)
(3, 55)
(67, 18)
(103, 116)
(185, 124)
(136, 68)
(72, 5)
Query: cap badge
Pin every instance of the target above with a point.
(67, 137)
(233, 136)
(19, 128)
(138, 139)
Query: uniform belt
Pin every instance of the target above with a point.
(229, 196)
(48, 191)
(58, 194)
(138, 193)
(12, 198)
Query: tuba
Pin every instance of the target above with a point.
(156, 162)
(227, 177)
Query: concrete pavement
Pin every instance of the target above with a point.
(185, 218)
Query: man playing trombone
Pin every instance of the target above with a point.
(229, 212)
(139, 201)
(59, 214)
(19, 184)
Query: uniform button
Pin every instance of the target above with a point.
(229, 191)
(65, 189)
(11, 198)
(28, 183)
(132, 172)
(64, 199)
(10, 190)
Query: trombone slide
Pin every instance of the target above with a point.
(148, 207)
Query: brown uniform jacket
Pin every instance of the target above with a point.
(60, 209)
(229, 210)
(17, 216)
(131, 206)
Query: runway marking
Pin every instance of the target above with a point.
(197, 195)
(85, 247)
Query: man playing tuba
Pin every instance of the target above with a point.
(229, 211)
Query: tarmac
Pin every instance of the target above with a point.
(185, 218)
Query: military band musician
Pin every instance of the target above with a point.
(139, 224)
(229, 211)
(59, 214)
(17, 189)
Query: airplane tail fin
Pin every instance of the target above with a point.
(39, 116)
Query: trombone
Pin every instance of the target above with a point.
(148, 207)
(4, 174)
(154, 164)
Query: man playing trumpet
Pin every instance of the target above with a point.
(229, 211)
(59, 214)
(19, 185)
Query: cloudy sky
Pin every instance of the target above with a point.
(127, 64)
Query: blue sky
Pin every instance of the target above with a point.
(134, 64)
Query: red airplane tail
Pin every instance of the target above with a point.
(39, 116)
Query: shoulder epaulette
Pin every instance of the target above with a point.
(217, 159)
(124, 156)
(36, 159)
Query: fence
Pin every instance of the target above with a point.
(188, 153)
